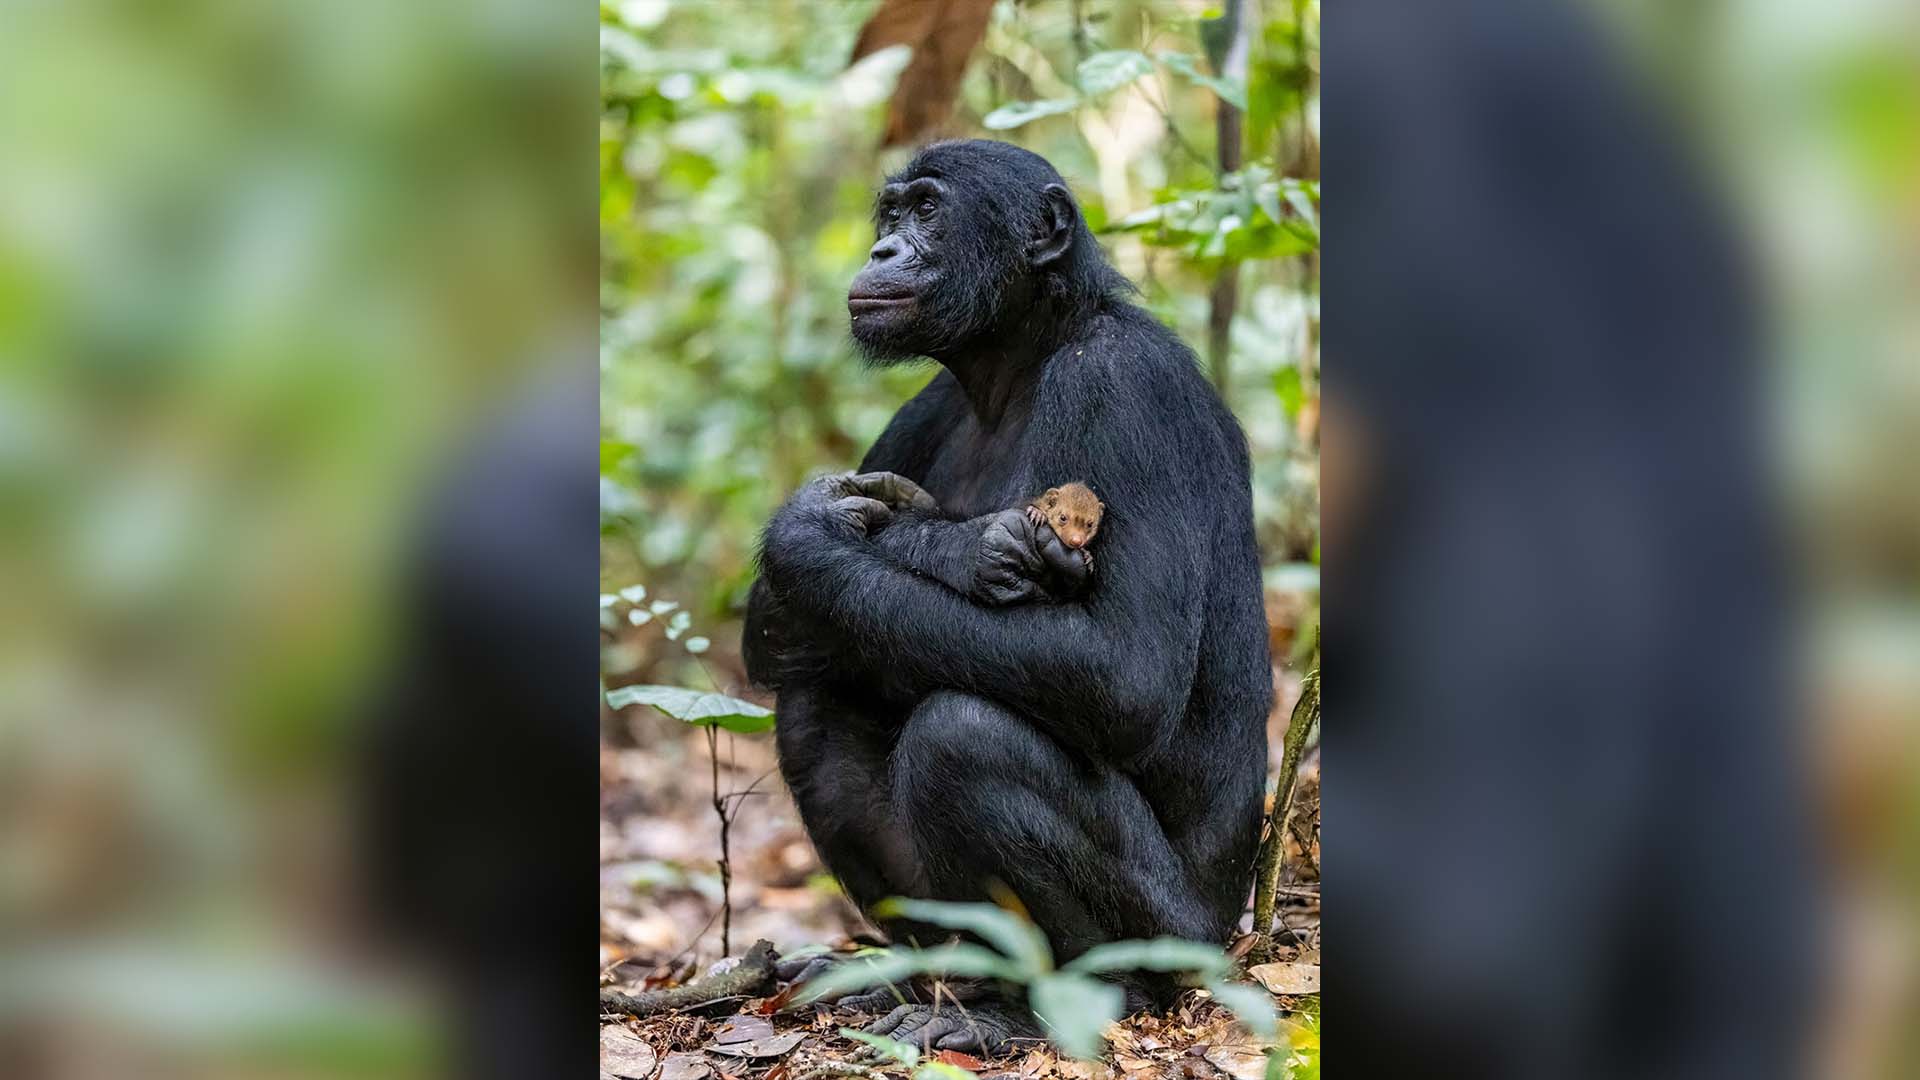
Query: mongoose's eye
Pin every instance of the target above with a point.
(1062, 519)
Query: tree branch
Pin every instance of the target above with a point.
(752, 976)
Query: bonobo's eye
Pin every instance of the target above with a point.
(893, 213)
(925, 209)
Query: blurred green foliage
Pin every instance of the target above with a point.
(739, 154)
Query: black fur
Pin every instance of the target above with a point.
(1103, 759)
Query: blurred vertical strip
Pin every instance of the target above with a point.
(297, 432)
(1624, 537)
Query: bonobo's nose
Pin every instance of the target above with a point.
(888, 247)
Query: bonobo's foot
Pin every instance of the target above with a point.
(800, 970)
(988, 1027)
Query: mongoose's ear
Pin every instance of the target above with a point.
(1051, 499)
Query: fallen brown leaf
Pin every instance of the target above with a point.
(772, 1046)
(1287, 978)
(738, 1029)
(625, 1054)
(955, 1057)
(685, 1065)
(1240, 1062)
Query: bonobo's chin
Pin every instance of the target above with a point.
(887, 336)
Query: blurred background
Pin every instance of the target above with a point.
(268, 271)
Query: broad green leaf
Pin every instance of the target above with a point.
(1016, 113)
(1015, 937)
(1232, 91)
(1286, 387)
(612, 453)
(1076, 1009)
(904, 1053)
(696, 707)
(940, 1070)
(960, 959)
(1159, 954)
(1251, 1004)
(1106, 72)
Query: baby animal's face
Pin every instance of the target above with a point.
(1074, 529)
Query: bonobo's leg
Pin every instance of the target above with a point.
(986, 798)
(833, 756)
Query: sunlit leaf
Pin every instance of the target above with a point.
(696, 707)
(1016, 113)
(1250, 1003)
(961, 960)
(1076, 1009)
(1159, 954)
(1233, 91)
(1014, 936)
(1106, 72)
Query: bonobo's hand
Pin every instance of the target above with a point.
(852, 504)
(1019, 560)
(844, 505)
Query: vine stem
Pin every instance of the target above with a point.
(726, 863)
(1306, 716)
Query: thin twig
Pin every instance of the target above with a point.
(726, 863)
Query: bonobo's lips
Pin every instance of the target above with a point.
(861, 302)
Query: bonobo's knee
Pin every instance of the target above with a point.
(956, 736)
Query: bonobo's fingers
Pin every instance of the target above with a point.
(860, 514)
(799, 969)
(893, 489)
(1006, 569)
(1067, 569)
(888, 1023)
(881, 999)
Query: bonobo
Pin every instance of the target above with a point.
(1100, 757)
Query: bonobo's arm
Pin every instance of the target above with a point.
(1109, 675)
(999, 558)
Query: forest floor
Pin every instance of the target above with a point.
(661, 925)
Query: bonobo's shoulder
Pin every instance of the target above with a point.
(1127, 352)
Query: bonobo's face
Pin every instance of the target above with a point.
(967, 239)
(895, 300)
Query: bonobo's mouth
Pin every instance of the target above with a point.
(862, 302)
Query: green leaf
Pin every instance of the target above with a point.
(612, 453)
(940, 1070)
(904, 1053)
(1232, 91)
(1014, 114)
(1159, 954)
(959, 959)
(1286, 387)
(1076, 1009)
(1105, 72)
(1251, 1004)
(696, 707)
(1014, 936)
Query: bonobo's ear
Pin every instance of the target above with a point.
(1060, 220)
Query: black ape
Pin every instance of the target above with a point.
(1100, 755)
